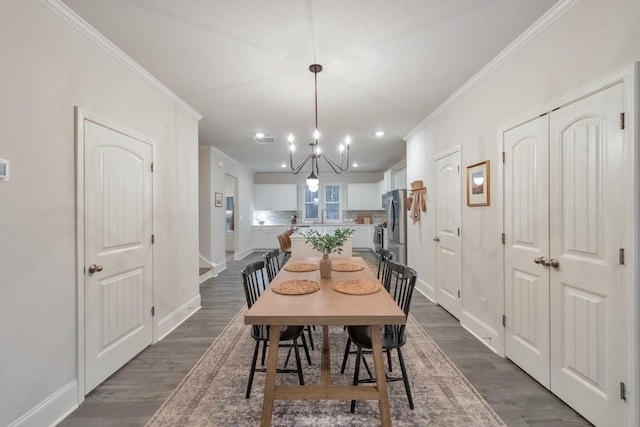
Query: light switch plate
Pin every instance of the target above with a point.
(4, 170)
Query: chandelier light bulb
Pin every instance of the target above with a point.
(341, 147)
(318, 149)
(316, 134)
(290, 138)
(292, 147)
(347, 140)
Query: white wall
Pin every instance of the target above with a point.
(592, 40)
(48, 67)
(214, 166)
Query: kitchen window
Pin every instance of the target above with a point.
(327, 201)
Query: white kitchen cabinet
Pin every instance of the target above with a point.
(276, 197)
(363, 236)
(363, 197)
(267, 237)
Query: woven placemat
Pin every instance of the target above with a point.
(301, 267)
(347, 266)
(295, 287)
(357, 286)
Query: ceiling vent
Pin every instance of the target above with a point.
(265, 140)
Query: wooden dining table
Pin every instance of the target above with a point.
(325, 307)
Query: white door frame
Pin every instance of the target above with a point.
(630, 76)
(80, 116)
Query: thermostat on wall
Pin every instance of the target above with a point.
(4, 170)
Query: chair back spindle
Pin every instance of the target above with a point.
(254, 281)
(272, 263)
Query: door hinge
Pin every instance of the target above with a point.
(623, 392)
(153, 239)
(504, 155)
(621, 120)
(504, 320)
(458, 170)
(458, 231)
(153, 310)
(621, 256)
(152, 167)
(458, 293)
(503, 238)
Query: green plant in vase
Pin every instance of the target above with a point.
(327, 244)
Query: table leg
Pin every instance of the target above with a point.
(381, 379)
(270, 379)
(325, 369)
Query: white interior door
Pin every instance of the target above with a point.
(448, 256)
(526, 225)
(586, 227)
(118, 255)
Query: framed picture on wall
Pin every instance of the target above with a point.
(478, 179)
(218, 200)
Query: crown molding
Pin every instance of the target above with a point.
(538, 27)
(63, 12)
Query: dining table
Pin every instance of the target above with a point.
(324, 307)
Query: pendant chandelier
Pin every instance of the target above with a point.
(312, 181)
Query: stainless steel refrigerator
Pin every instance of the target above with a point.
(394, 203)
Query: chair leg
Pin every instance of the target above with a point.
(264, 351)
(298, 362)
(253, 369)
(389, 359)
(405, 378)
(306, 349)
(346, 355)
(308, 328)
(286, 361)
(356, 373)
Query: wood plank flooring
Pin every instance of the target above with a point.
(132, 395)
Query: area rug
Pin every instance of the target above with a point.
(213, 392)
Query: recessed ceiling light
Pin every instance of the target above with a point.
(259, 135)
(379, 133)
(355, 165)
(283, 165)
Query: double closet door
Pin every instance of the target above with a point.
(563, 236)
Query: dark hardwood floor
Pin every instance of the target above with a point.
(132, 395)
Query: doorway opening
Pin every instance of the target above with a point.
(230, 205)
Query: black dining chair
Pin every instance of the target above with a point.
(384, 256)
(255, 283)
(400, 282)
(272, 264)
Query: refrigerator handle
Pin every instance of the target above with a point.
(393, 215)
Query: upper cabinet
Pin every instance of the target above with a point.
(363, 197)
(276, 197)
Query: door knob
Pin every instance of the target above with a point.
(540, 260)
(436, 239)
(93, 268)
(552, 262)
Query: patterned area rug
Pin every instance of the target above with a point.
(213, 392)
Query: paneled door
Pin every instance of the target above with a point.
(118, 256)
(526, 225)
(564, 230)
(586, 163)
(448, 254)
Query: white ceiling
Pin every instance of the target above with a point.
(243, 64)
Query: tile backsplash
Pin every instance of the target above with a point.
(284, 217)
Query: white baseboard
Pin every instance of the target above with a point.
(483, 332)
(239, 255)
(426, 290)
(52, 410)
(177, 317)
(205, 276)
(218, 268)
